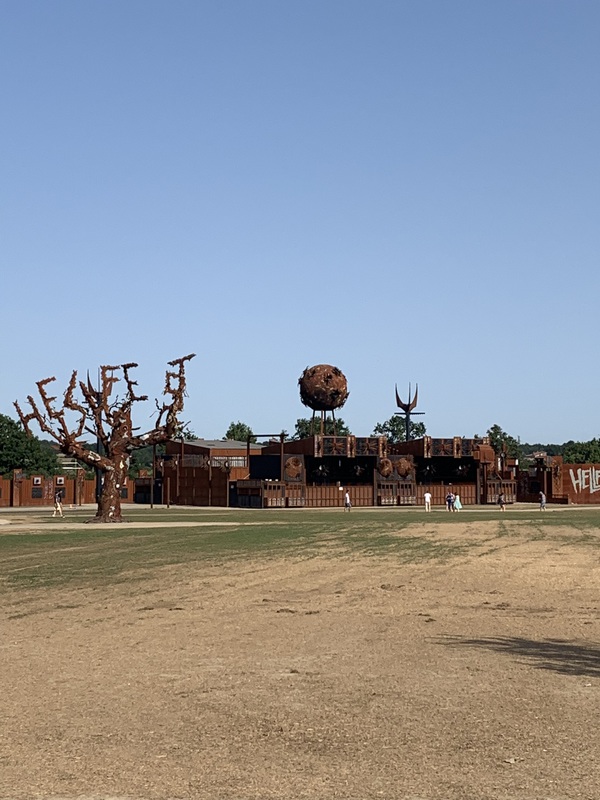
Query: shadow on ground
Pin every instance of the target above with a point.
(559, 655)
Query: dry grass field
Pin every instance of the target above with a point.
(227, 655)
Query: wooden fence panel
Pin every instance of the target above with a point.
(333, 496)
(295, 495)
(387, 494)
(467, 492)
(274, 495)
(361, 496)
(5, 492)
(396, 493)
(495, 487)
(407, 493)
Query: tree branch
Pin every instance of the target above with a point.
(109, 422)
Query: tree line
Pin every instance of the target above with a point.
(572, 452)
(394, 428)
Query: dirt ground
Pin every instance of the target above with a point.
(358, 677)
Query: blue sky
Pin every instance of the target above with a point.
(407, 190)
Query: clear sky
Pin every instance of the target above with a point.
(407, 190)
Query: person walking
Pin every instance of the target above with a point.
(457, 503)
(58, 503)
(347, 501)
(427, 499)
(450, 501)
(502, 501)
(542, 501)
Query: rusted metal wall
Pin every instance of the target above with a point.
(370, 446)
(38, 491)
(299, 447)
(467, 492)
(416, 447)
(274, 494)
(333, 497)
(295, 495)
(5, 489)
(396, 493)
(387, 494)
(549, 475)
(409, 493)
(335, 446)
(581, 483)
(494, 487)
(428, 447)
(249, 494)
(344, 446)
(191, 454)
(201, 487)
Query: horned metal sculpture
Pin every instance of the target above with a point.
(408, 408)
(108, 419)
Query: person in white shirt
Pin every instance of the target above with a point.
(427, 498)
(347, 503)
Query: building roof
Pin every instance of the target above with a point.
(221, 444)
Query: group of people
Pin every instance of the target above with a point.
(453, 502)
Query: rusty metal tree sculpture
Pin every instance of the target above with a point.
(109, 421)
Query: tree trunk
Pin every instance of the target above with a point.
(109, 505)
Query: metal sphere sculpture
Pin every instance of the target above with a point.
(323, 387)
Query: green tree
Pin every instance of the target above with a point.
(239, 432)
(142, 459)
(582, 452)
(395, 429)
(537, 447)
(20, 451)
(503, 442)
(302, 428)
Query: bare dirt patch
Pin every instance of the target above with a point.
(327, 676)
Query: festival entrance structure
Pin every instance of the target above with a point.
(316, 471)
